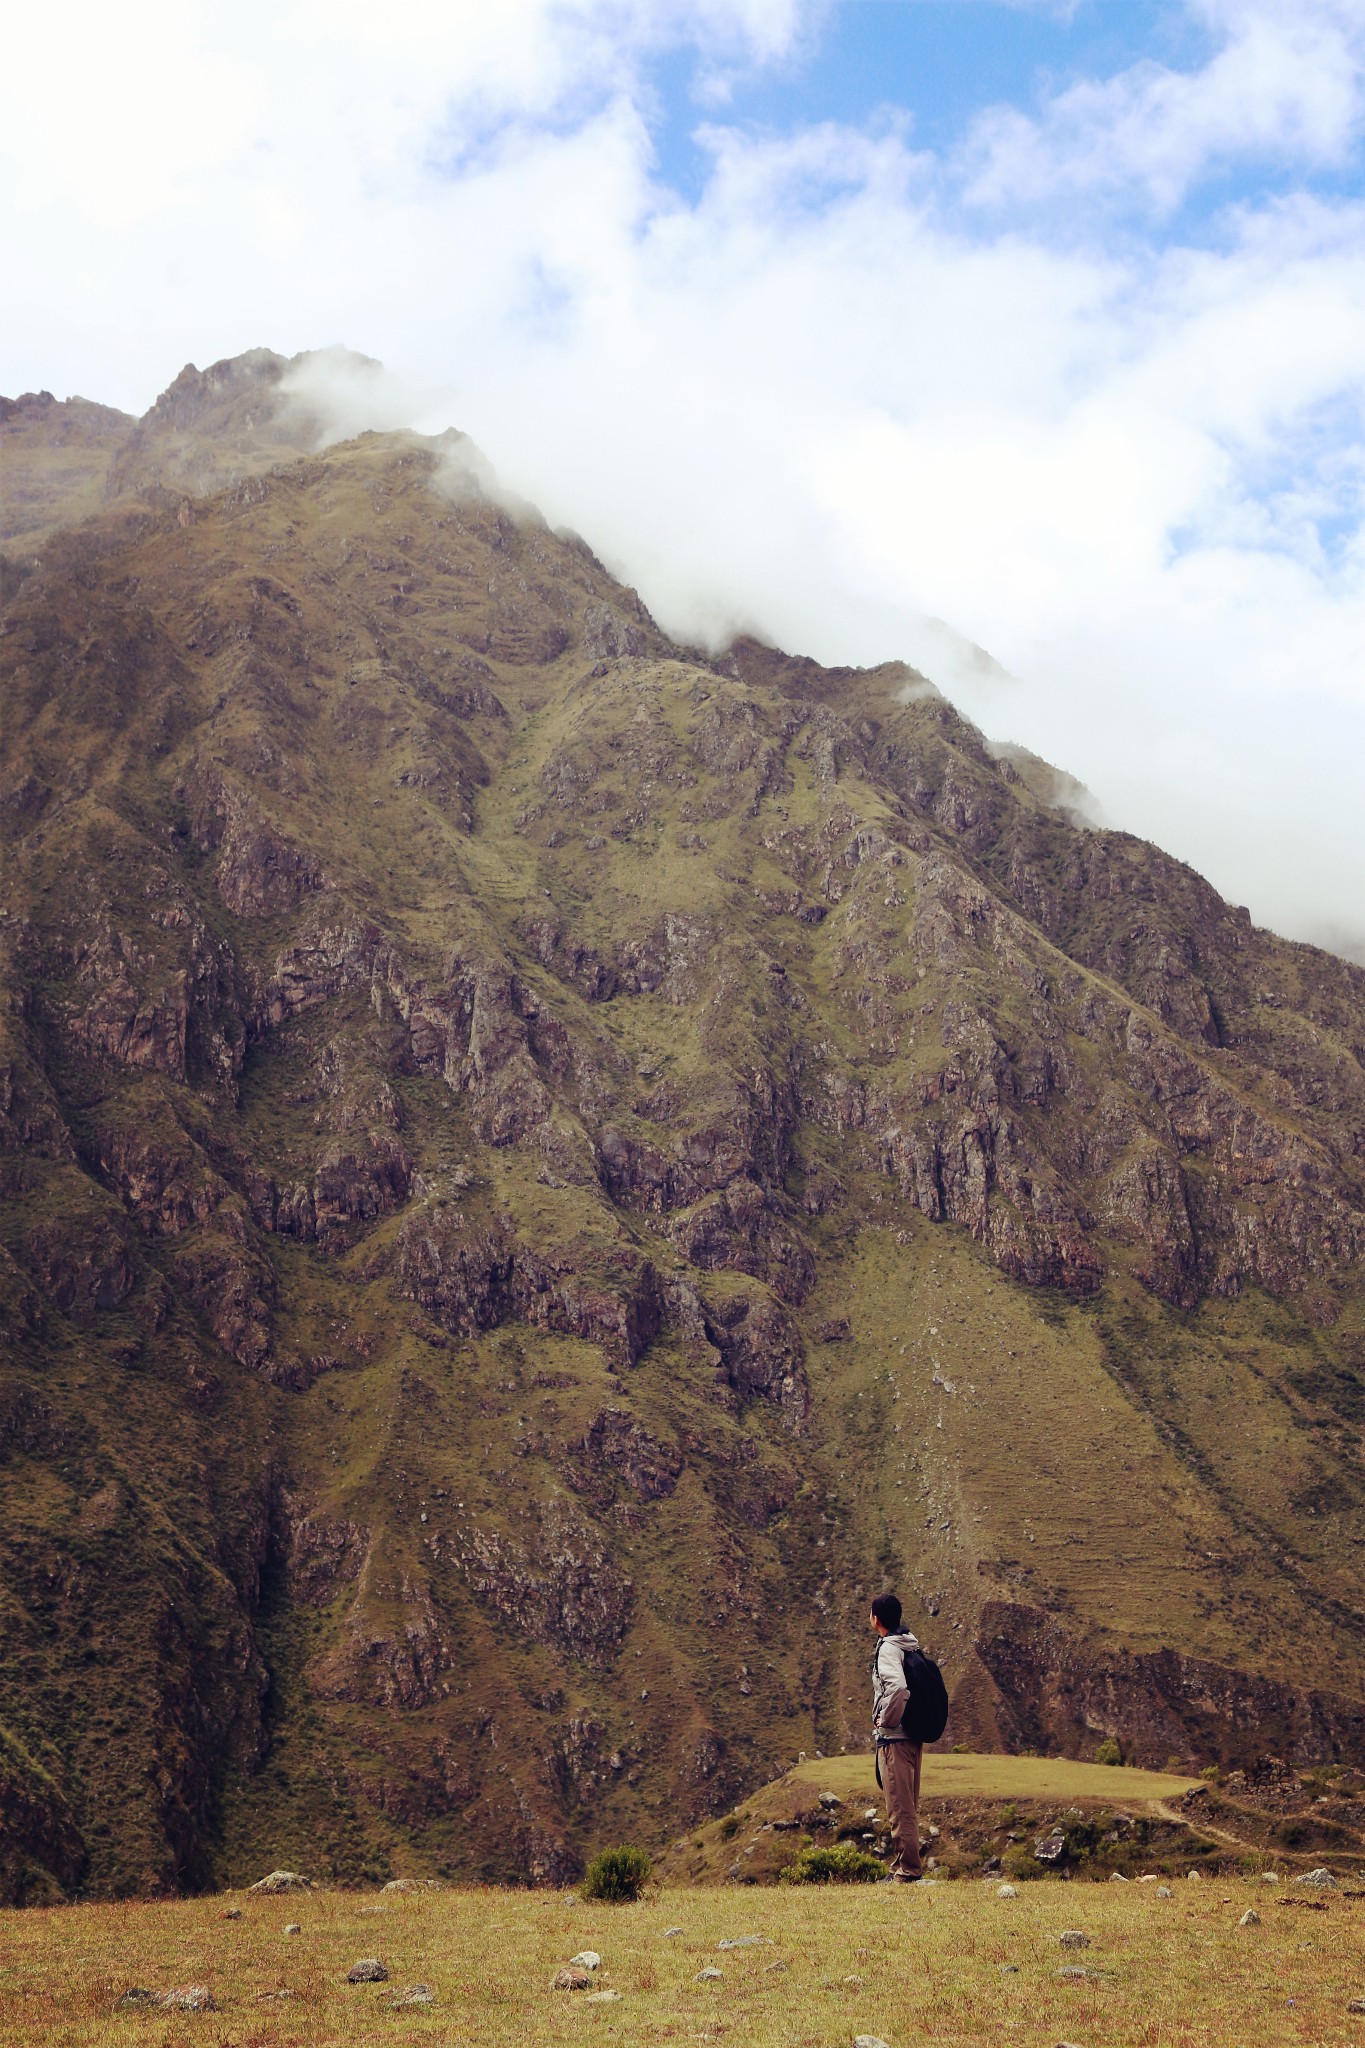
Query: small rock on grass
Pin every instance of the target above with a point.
(1356, 2005)
(586, 1959)
(416, 1994)
(829, 1800)
(292, 1927)
(283, 1881)
(187, 1998)
(1009, 1969)
(231, 1913)
(1072, 1937)
(868, 2041)
(369, 1970)
(1323, 1878)
(136, 1995)
(1270, 1877)
(1071, 1973)
(1117, 1877)
(709, 1975)
(669, 1932)
(742, 1941)
(1163, 1891)
(570, 1980)
(1251, 1918)
(601, 1998)
(1006, 1891)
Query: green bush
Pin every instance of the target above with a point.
(617, 1875)
(1109, 1752)
(842, 1864)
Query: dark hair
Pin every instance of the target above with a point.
(886, 1609)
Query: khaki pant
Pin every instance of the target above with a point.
(900, 1762)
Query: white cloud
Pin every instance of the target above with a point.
(821, 400)
(1285, 84)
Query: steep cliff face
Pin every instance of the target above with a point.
(537, 1170)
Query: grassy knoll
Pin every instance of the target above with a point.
(944, 1964)
(1000, 1777)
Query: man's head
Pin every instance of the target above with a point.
(886, 1614)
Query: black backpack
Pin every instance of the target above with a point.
(926, 1710)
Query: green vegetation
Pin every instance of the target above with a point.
(1109, 1752)
(842, 1864)
(616, 1875)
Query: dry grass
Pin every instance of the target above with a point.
(921, 1965)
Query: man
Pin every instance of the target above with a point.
(898, 1759)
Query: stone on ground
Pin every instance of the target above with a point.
(570, 1979)
(829, 1800)
(1072, 1937)
(416, 1994)
(1163, 1891)
(1006, 1891)
(1251, 1918)
(1321, 1877)
(187, 1998)
(292, 1927)
(369, 1970)
(282, 1881)
(601, 1997)
(708, 1975)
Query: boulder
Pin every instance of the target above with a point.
(369, 1970)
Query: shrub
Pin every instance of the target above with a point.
(617, 1875)
(842, 1864)
(1109, 1752)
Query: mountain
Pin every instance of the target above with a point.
(539, 1168)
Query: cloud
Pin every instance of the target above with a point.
(849, 392)
(1285, 84)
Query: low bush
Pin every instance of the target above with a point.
(1109, 1752)
(842, 1864)
(617, 1875)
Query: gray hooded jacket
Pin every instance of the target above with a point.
(888, 1686)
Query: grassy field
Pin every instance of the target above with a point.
(944, 1964)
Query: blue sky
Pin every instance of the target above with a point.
(886, 328)
(939, 62)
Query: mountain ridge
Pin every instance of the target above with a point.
(528, 1154)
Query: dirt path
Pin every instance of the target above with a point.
(1199, 1827)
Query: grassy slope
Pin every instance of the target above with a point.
(948, 1965)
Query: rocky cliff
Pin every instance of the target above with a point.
(539, 1168)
